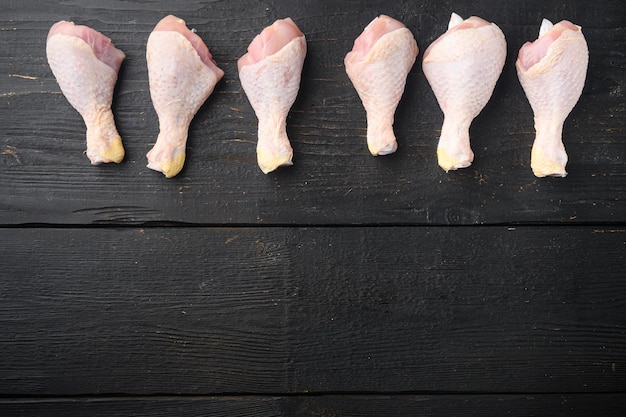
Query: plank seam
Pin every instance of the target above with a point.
(617, 226)
(131, 397)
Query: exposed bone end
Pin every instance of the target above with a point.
(273, 148)
(548, 164)
(169, 168)
(454, 150)
(455, 20)
(386, 149)
(380, 137)
(546, 25)
(270, 161)
(451, 162)
(104, 143)
(112, 151)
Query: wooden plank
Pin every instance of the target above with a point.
(45, 178)
(583, 405)
(94, 311)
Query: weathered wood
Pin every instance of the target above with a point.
(232, 317)
(334, 179)
(291, 310)
(580, 405)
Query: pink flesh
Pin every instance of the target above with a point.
(174, 24)
(533, 52)
(271, 40)
(470, 23)
(102, 46)
(374, 31)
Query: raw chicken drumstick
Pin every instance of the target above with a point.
(552, 72)
(85, 64)
(182, 75)
(270, 76)
(462, 67)
(378, 65)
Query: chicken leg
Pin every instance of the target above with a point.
(552, 72)
(270, 76)
(85, 64)
(182, 75)
(462, 67)
(378, 65)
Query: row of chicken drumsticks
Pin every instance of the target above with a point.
(462, 67)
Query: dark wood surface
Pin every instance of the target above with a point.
(334, 180)
(608, 405)
(346, 285)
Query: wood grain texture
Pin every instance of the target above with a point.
(322, 310)
(346, 285)
(606, 405)
(46, 178)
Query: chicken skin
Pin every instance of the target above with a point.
(85, 64)
(552, 72)
(378, 66)
(270, 76)
(462, 67)
(182, 75)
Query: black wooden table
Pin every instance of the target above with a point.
(345, 285)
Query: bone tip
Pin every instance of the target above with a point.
(169, 169)
(385, 150)
(450, 162)
(546, 25)
(546, 163)
(268, 162)
(114, 152)
(549, 171)
(455, 20)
